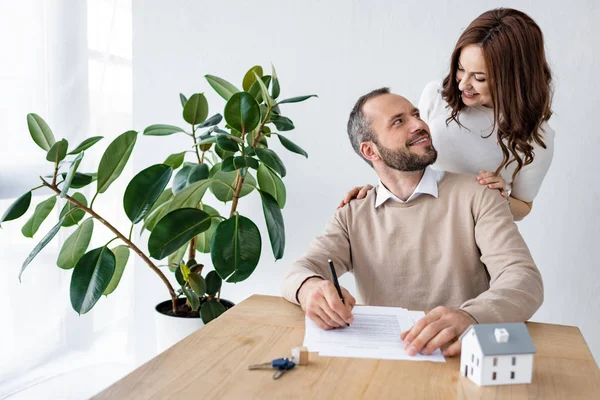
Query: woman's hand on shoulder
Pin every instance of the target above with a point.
(356, 193)
(492, 181)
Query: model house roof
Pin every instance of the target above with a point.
(519, 341)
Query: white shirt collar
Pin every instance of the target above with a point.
(427, 185)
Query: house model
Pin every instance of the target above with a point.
(497, 354)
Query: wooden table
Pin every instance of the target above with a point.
(212, 364)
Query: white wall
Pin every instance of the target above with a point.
(342, 49)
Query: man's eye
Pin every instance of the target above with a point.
(418, 115)
(398, 121)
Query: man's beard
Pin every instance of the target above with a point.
(405, 160)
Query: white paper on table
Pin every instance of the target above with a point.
(375, 333)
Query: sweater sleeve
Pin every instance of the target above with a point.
(516, 289)
(528, 181)
(333, 244)
(428, 100)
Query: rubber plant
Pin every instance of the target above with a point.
(167, 199)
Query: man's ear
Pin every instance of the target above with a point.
(369, 151)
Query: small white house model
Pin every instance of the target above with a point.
(497, 354)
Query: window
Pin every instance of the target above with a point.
(514, 361)
(473, 358)
(512, 374)
(471, 371)
(495, 361)
(493, 376)
(478, 361)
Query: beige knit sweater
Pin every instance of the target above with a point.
(461, 250)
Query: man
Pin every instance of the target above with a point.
(423, 240)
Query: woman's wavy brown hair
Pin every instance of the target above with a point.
(519, 80)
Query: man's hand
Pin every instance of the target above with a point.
(320, 301)
(438, 329)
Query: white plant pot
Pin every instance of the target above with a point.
(170, 329)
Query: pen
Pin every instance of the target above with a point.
(336, 283)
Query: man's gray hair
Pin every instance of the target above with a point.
(359, 126)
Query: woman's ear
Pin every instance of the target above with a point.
(369, 151)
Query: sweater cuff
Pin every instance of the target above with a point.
(291, 286)
(482, 314)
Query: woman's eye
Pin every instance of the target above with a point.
(480, 80)
(460, 68)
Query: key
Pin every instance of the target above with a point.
(277, 363)
(289, 365)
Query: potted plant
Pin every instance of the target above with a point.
(167, 199)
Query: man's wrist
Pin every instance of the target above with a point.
(304, 285)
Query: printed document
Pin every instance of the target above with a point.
(375, 333)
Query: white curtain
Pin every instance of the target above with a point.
(70, 62)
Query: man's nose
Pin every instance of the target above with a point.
(419, 125)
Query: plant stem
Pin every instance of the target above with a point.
(196, 147)
(261, 127)
(94, 199)
(37, 187)
(236, 194)
(192, 249)
(125, 240)
(130, 231)
(55, 173)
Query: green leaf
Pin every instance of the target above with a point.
(203, 239)
(72, 171)
(242, 112)
(263, 84)
(192, 298)
(233, 163)
(271, 159)
(175, 160)
(144, 189)
(212, 121)
(176, 229)
(176, 257)
(275, 89)
(86, 144)
(227, 144)
(196, 109)
(161, 204)
(114, 159)
(256, 91)
(80, 179)
(210, 310)
(235, 248)
(121, 256)
(76, 245)
(17, 208)
(291, 146)
(90, 278)
(213, 283)
(222, 186)
(182, 99)
(271, 183)
(275, 225)
(42, 211)
(40, 131)
(45, 240)
(197, 283)
(250, 77)
(221, 86)
(162, 130)
(191, 196)
(58, 151)
(190, 173)
(73, 217)
(179, 274)
(297, 99)
(282, 123)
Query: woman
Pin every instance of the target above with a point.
(489, 115)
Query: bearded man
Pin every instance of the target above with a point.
(423, 240)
